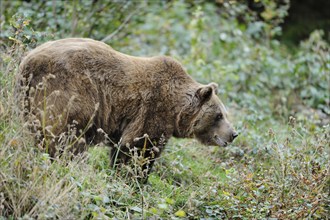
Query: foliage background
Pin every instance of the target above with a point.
(278, 95)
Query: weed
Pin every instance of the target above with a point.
(277, 168)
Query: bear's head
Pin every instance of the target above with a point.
(210, 124)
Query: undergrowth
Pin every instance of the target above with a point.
(279, 101)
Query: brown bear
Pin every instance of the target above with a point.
(135, 102)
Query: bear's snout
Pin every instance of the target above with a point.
(234, 135)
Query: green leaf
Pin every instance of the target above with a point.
(106, 199)
(153, 210)
(162, 206)
(180, 213)
(169, 201)
(136, 209)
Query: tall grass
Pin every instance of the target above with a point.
(32, 185)
(277, 168)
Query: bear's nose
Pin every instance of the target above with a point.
(235, 134)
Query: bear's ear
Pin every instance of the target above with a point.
(204, 93)
(215, 87)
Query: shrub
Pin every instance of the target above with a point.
(277, 168)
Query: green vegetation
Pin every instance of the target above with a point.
(278, 98)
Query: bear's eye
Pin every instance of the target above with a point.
(219, 117)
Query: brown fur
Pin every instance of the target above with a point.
(88, 82)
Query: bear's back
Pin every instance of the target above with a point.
(60, 48)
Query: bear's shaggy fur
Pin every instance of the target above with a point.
(90, 85)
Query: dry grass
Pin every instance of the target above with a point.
(274, 169)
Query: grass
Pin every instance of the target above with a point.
(277, 168)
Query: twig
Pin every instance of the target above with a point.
(122, 25)
(74, 20)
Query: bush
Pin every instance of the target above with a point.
(278, 96)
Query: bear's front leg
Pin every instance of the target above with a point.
(139, 154)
